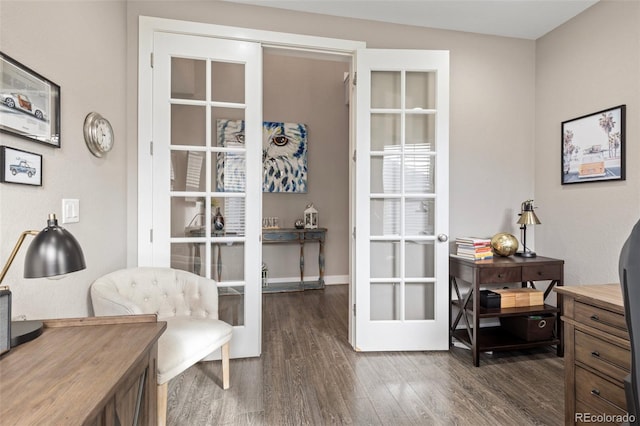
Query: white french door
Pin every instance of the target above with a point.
(206, 162)
(401, 206)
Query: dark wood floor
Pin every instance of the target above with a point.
(308, 374)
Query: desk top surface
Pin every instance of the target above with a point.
(608, 296)
(66, 375)
(505, 262)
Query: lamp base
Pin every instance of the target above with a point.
(526, 254)
(25, 331)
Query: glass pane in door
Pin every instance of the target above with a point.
(208, 181)
(402, 184)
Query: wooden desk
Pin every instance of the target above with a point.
(598, 356)
(494, 272)
(83, 371)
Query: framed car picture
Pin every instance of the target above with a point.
(593, 147)
(17, 166)
(29, 103)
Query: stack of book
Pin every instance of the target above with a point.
(474, 248)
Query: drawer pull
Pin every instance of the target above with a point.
(499, 275)
(595, 392)
(594, 317)
(595, 354)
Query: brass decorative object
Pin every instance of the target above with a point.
(504, 244)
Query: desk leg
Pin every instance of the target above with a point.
(302, 262)
(321, 262)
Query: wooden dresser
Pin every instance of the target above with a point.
(88, 371)
(597, 351)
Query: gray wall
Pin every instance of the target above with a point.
(508, 97)
(589, 64)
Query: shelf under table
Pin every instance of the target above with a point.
(498, 339)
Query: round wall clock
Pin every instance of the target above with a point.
(98, 134)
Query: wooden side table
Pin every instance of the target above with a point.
(498, 272)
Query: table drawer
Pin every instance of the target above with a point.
(599, 394)
(601, 319)
(607, 358)
(500, 275)
(314, 236)
(280, 236)
(541, 272)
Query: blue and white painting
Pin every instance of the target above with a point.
(284, 155)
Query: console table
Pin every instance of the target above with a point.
(83, 371)
(497, 272)
(301, 237)
(598, 354)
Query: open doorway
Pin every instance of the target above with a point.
(302, 89)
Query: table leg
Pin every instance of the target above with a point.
(219, 262)
(302, 263)
(321, 262)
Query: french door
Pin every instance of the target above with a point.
(206, 203)
(401, 208)
(205, 123)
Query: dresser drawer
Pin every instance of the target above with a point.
(599, 393)
(541, 272)
(587, 415)
(500, 275)
(601, 319)
(605, 357)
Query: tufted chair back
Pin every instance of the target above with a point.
(165, 292)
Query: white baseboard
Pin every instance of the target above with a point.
(328, 279)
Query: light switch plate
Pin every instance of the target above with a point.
(70, 210)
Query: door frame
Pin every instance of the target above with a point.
(310, 46)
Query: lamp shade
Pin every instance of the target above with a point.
(54, 251)
(527, 215)
(529, 218)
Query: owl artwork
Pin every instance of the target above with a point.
(284, 157)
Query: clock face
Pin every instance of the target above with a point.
(98, 134)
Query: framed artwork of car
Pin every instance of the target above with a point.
(29, 103)
(18, 166)
(593, 147)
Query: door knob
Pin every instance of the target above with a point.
(443, 238)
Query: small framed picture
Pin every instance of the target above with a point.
(593, 147)
(29, 103)
(20, 166)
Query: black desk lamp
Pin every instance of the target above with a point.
(54, 251)
(527, 217)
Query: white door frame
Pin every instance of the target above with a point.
(147, 26)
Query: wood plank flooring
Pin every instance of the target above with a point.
(308, 374)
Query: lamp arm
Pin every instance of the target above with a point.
(14, 252)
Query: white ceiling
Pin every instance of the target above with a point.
(529, 19)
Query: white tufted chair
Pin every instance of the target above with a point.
(189, 305)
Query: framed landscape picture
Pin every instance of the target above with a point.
(593, 147)
(29, 103)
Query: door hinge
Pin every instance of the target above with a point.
(354, 232)
(354, 309)
(354, 155)
(355, 78)
(150, 235)
(151, 59)
(151, 148)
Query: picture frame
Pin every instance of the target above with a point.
(18, 166)
(592, 147)
(29, 103)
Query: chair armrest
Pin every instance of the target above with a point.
(109, 303)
